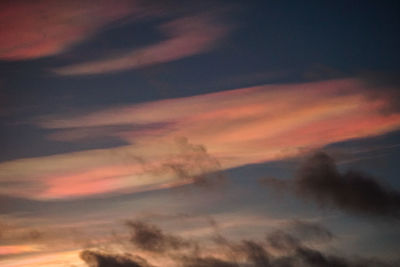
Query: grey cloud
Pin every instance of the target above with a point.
(256, 253)
(319, 180)
(315, 258)
(280, 240)
(310, 231)
(247, 253)
(99, 259)
(207, 262)
(295, 254)
(151, 238)
(192, 162)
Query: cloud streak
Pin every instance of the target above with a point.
(222, 130)
(43, 28)
(185, 37)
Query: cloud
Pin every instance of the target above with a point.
(315, 258)
(17, 249)
(206, 262)
(256, 253)
(34, 29)
(287, 246)
(186, 36)
(319, 180)
(310, 231)
(194, 163)
(293, 253)
(98, 259)
(298, 232)
(151, 238)
(280, 240)
(222, 130)
(125, 170)
(280, 249)
(47, 28)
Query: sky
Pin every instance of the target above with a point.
(174, 133)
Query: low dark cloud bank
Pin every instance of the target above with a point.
(281, 248)
(293, 245)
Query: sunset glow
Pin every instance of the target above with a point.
(148, 133)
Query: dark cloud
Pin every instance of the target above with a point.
(281, 249)
(151, 238)
(280, 240)
(305, 256)
(99, 259)
(247, 252)
(256, 254)
(295, 254)
(315, 258)
(292, 252)
(310, 231)
(206, 262)
(319, 180)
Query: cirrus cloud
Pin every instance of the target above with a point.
(222, 130)
(34, 29)
(186, 36)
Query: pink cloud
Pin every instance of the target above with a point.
(225, 130)
(34, 29)
(185, 37)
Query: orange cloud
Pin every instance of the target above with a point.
(185, 37)
(238, 127)
(34, 29)
(63, 258)
(17, 249)
(99, 180)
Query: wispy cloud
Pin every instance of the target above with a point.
(185, 37)
(63, 258)
(221, 130)
(34, 29)
(17, 249)
(125, 169)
